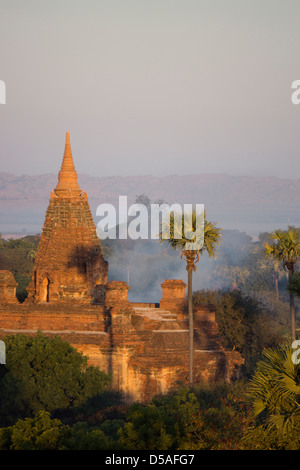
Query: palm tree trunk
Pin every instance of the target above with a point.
(276, 288)
(292, 311)
(191, 323)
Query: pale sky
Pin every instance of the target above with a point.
(154, 87)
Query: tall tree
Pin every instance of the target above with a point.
(44, 373)
(272, 265)
(286, 249)
(181, 238)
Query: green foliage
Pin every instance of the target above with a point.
(294, 284)
(274, 393)
(245, 323)
(18, 256)
(286, 250)
(261, 438)
(275, 390)
(44, 433)
(39, 433)
(160, 424)
(82, 437)
(45, 374)
(286, 247)
(187, 419)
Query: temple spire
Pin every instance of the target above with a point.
(67, 185)
(67, 163)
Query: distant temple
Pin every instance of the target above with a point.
(144, 346)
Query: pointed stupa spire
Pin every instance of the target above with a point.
(67, 185)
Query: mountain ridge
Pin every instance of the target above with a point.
(231, 200)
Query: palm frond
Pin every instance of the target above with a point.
(182, 230)
(286, 246)
(275, 388)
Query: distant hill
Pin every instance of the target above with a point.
(250, 204)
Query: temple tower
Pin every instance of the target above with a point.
(69, 264)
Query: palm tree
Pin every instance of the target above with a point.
(275, 389)
(210, 239)
(286, 249)
(274, 266)
(294, 284)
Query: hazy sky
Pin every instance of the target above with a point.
(151, 87)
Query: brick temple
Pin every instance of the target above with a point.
(145, 346)
(69, 264)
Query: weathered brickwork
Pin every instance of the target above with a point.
(144, 346)
(8, 287)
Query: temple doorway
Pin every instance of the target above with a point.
(45, 290)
